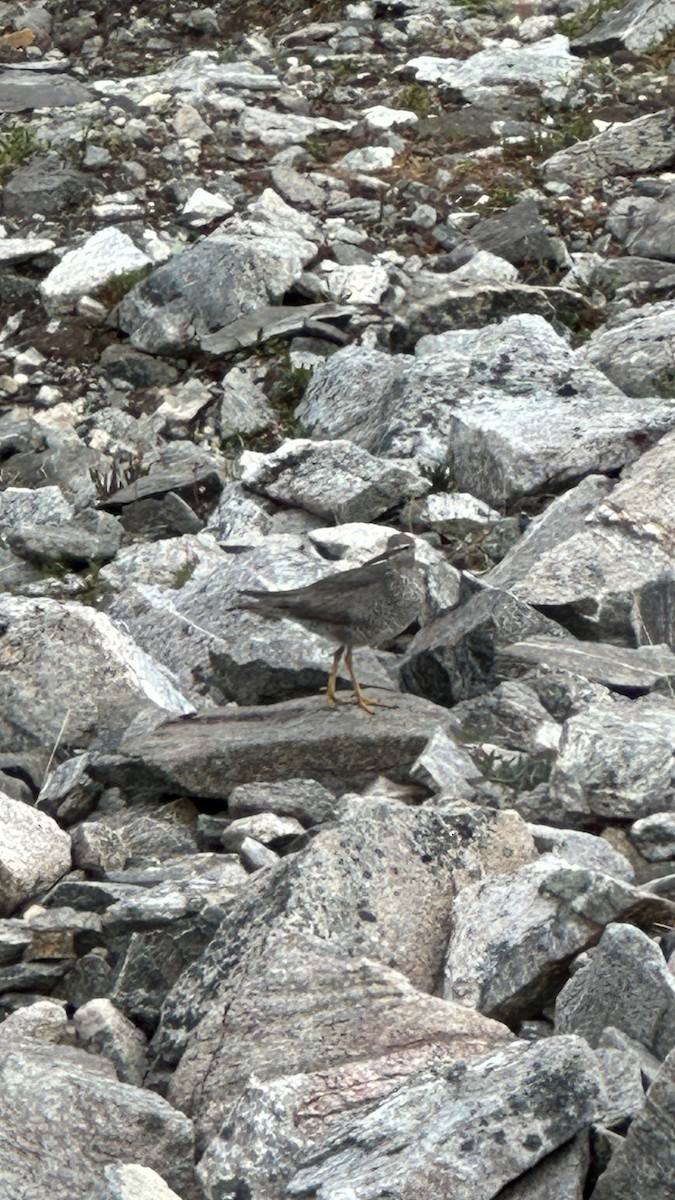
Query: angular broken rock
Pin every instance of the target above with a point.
(172, 308)
(59, 654)
(34, 853)
(308, 1005)
(513, 936)
(615, 759)
(335, 480)
(461, 1131)
(643, 1166)
(455, 656)
(93, 1119)
(624, 983)
(107, 255)
(466, 401)
(629, 148)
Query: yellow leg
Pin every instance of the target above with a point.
(332, 678)
(362, 701)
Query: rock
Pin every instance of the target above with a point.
(31, 89)
(510, 944)
(365, 1014)
(393, 902)
(170, 308)
(131, 1181)
(107, 257)
(460, 404)
(654, 836)
(641, 145)
(578, 579)
(616, 667)
(44, 1022)
(34, 853)
(638, 25)
(624, 983)
(330, 479)
(95, 1116)
(57, 652)
(642, 1164)
(615, 757)
(304, 799)
(583, 850)
(208, 756)
(101, 1029)
(633, 353)
(454, 656)
(431, 1119)
(547, 66)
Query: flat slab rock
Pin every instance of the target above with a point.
(342, 748)
(462, 1132)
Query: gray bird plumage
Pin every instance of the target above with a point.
(364, 606)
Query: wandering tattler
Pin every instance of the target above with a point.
(364, 606)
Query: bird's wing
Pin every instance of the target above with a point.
(355, 579)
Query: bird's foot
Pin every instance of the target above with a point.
(367, 703)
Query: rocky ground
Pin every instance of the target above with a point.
(277, 281)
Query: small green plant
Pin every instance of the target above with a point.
(16, 147)
(440, 477)
(183, 574)
(516, 771)
(116, 288)
(417, 98)
(290, 387)
(576, 24)
(319, 148)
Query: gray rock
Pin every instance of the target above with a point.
(642, 1166)
(361, 1012)
(592, 579)
(423, 1138)
(618, 667)
(31, 89)
(583, 850)
(59, 652)
(101, 1029)
(641, 223)
(44, 506)
(635, 352)
(638, 25)
(414, 854)
(559, 1176)
(654, 836)
(131, 1181)
(305, 799)
(34, 853)
(453, 657)
(624, 983)
(104, 257)
(634, 147)
(209, 756)
(547, 66)
(622, 1077)
(66, 545)
(615, 759)
(168, 310)
(513, 935)
(518, 234)
(44, 1022)
(466, 402)
(266, 827)
(334, 480)
(93, 1120)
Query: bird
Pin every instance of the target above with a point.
(364, 606)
